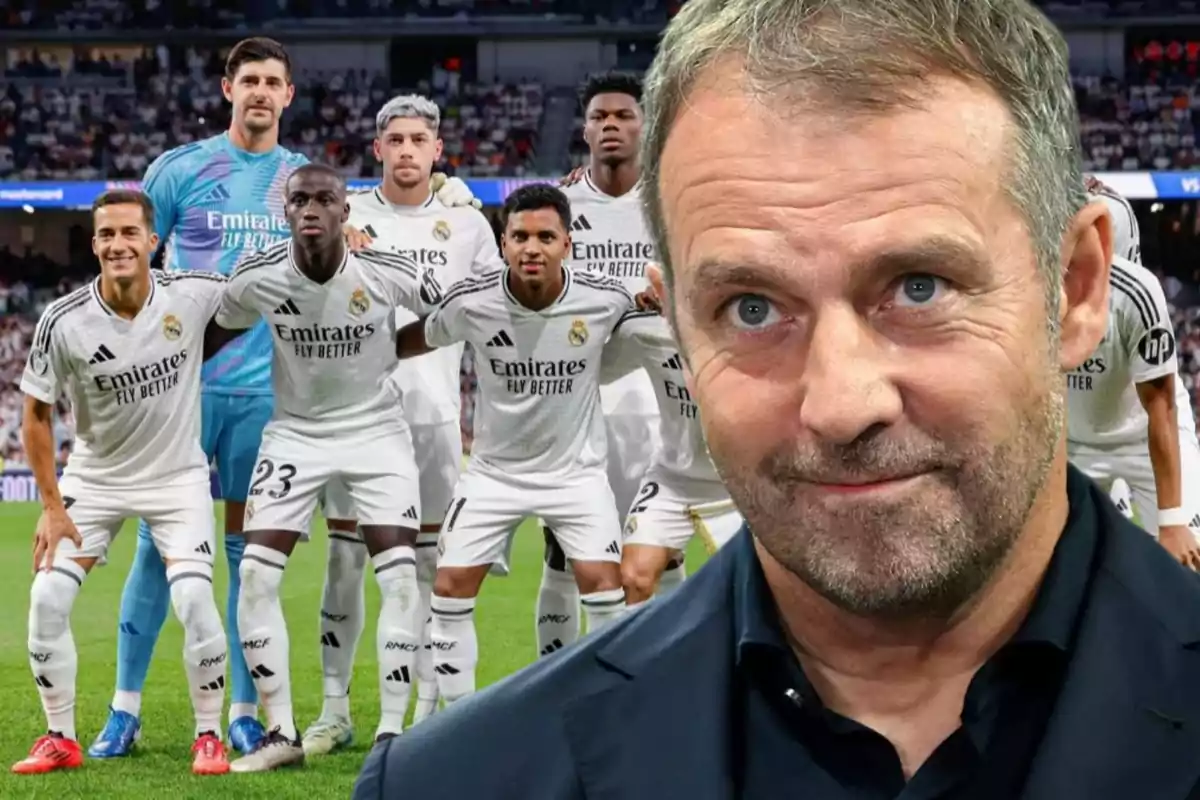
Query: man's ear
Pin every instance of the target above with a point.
(1086, 260)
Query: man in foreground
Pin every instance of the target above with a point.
(338, 422)
(127, 351)
(880, 263)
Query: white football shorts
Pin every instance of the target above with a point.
(1132, 464)
(180, 518)
(489, 504)
(438, 452)
(633, 440)
(374, 473)
(669, 510)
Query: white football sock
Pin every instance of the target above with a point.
(427, 691)
(204, 643)
(52, 652)
(265, 635)
(129, 702)
(557, 620)
(343, 615)
(671, 579)
(455, 646)
(396, 637)
(601, 608)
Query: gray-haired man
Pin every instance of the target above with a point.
(402, 215)
(880, 262)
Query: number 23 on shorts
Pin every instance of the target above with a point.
(264, 471)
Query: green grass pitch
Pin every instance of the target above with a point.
(161, 764)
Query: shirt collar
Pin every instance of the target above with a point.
(99, 298)
(1051, 620)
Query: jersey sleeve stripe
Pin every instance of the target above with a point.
(402, 263)
(272, 255)
(632, 315)
(57, 310)
(591, 281)
(1142, 300)
(464, 288)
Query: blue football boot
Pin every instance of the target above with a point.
(116, 740)
(246, 734)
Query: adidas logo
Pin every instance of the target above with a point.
(261, 672)
(1195, 523)
(127, 627)
(101, 355)
(370, 231)
(411, 513)
(204, 548)
(613, 548)
(551, 647)
(216, 685)
(674, 362)
(445, 669)
(288, 309)
(581, 224)
(329, 640)
(1122, 505)
(218, 194)
(41, 681)
(399, 675)
(501, 339)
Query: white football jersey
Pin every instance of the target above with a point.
(1103, 406)
(334, 342)
(1127, 239)
(643, 340)
(609, 237)
(455, 243)
(133, 385)
(539, 371)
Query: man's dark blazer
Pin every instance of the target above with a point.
(642, 710)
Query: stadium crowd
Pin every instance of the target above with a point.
(113, 118)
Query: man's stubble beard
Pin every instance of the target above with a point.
(923, 556)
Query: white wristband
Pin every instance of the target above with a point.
(1168, 517)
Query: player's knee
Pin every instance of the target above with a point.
(192, 595)
(597, 576)
(260, 582)
(458, 583)
(49, 605)
(638, 579)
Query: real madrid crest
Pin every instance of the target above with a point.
(630, 526)
(359, 302)
(172, 327)
(578, 335)
(249, 509)
(441, 230)
(38, 362)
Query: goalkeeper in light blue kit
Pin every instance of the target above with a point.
(216, 201)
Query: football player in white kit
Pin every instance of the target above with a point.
(126, 349)
(538, 328)
(338, 420)
(608, 237)
(402, 216)
(682, 495)
(1129, 415)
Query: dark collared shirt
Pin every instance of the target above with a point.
(790, 745)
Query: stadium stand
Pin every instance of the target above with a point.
(108, 119)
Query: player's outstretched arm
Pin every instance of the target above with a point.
(37, 435)
(410, 340)
(216, 337)
(1158, 399)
